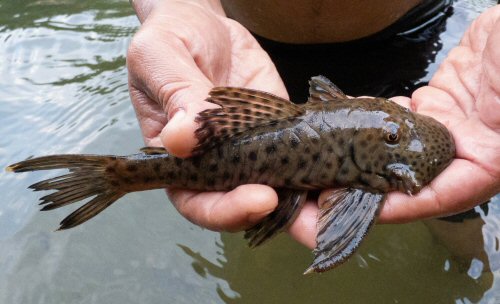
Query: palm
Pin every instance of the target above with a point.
(461, 95)
(180, 53)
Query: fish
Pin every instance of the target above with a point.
(365, 148)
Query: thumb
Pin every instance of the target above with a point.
(178, 135)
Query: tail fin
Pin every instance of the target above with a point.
(88, 177)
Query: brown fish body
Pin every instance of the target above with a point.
(368, 147)
(334, 143)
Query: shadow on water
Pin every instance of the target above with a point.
(399, 264)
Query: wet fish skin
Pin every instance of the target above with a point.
(367, 147)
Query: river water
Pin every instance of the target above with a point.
(63, 89)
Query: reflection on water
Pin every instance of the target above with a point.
(63, 89)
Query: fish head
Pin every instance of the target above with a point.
(406, 149)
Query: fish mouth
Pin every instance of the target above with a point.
(403, 179)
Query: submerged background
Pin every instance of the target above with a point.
(63, 89)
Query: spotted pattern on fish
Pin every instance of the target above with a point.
(366, 147)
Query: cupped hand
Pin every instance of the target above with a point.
(182, 50)
(464, 94)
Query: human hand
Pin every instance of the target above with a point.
(464, 94)
(182, 50)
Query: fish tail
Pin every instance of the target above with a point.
(90, 176)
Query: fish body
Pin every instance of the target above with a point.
(367, 147)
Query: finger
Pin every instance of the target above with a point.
(304, 228)
(236, 210)
(143, 8)
(402, 101)
(150, 115)
(488, 102)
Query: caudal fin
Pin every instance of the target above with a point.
(88, 178)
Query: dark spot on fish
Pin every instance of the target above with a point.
(247, 111)
(147, 179)
(178, 161)
(236, 123)
(252, 156)
(210, 183)
(262, 169)
(284, 160)
(369, 137)
(236, 116)
(242, 176)
(226, 175)
(131, 167)
(315, 156)
(363, 143)
(127, 180)
(344, 171)
(213, 167)
(171, 175)
(307, 150)
(196, 162)
(294, 142)
(288, 181)
(110, 169)
(193, 177)
(235, 159)
(271, 149)
(305, 180)
(157, 168)
(329, 149)
(302, 164)
(114, 183)
(328, 165)
(341, 141)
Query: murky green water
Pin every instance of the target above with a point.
(63, 89)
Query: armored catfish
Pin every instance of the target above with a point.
(363, 147)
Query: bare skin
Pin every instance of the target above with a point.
(174, 60)
(316, 21)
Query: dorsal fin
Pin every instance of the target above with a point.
(322, 89)
(241, 110)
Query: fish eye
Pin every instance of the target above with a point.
(392, 131)
(392, 137)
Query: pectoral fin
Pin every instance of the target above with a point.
(343, 222)
(289, 204)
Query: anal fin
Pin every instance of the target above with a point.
(289, 204)
(343, 222)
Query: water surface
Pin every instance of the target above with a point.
(63, 89)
